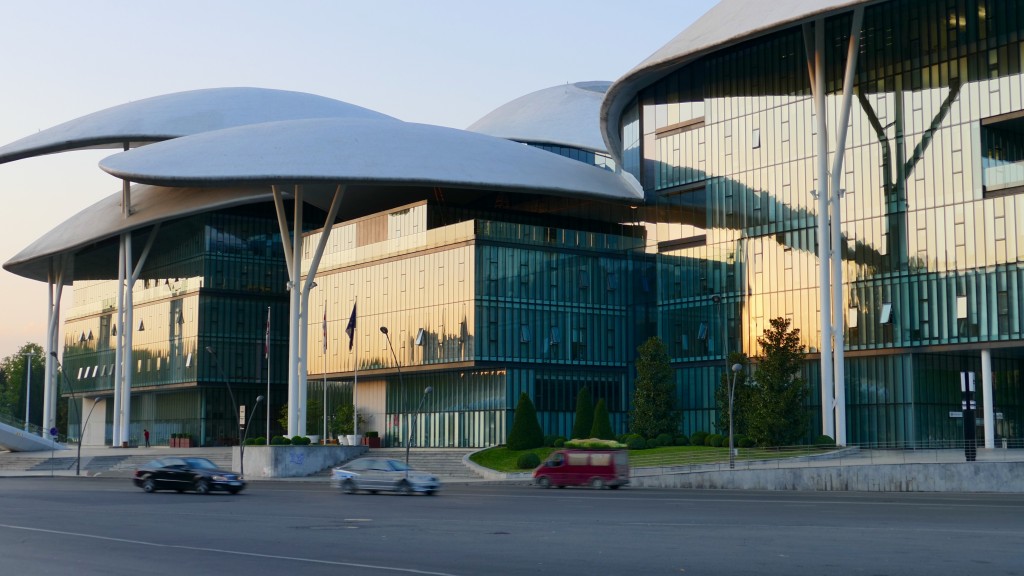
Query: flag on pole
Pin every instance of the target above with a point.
(325, 328)
(266, 337)
(351, 328)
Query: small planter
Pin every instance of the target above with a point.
(372, 441)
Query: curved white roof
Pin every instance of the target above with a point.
(729, 22)
(567, 115)
(179, 114)
(103, 220)
(358, 151)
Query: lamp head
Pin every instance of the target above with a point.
(384, 330)
(259, 399)
(428, 390)
(737, 367)
(210, 349)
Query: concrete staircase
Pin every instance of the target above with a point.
(442, 462)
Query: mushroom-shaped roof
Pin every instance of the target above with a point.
(727, 23)
(179, 114)
(567, 115)
(359, 151)
(103, 220)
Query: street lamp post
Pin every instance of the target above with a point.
(241, 446)
(78, 459)
(736, 368)
(398, 367)
(227, 383)
(426, 391)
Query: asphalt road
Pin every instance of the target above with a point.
(94, 526)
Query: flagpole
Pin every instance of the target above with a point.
(266, 350)
(325, 372)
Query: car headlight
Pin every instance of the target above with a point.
(218, 478)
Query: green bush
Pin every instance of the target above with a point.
(665, 439)
(300, 441)
(714, 440)
(697, 438)
(583, 421)
(280, 441)
(559, 442)
(528, 460)
(637, 442)
(652, 442)
(744, 442)
(372, 434)
(260, 440)
(824, 440)
(602, 427)
(549, 440)
(250, 441)
(681, 441)
(526, 433)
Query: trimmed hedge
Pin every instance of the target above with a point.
(280, 441)
(528, 460)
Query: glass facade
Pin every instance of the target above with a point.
(932, 214)
(210, 285)
(480, 310)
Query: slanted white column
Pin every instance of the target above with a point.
(986, 398)
(126, 388)
(298, 295)
(55, 285)
(816, 70)
(838, 305)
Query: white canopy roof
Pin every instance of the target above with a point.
(567, 115)
(728, 23)
(179, 114)
(103, 221)
(360, 151)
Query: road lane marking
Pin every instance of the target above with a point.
(234, 552)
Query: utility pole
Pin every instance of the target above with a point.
(28, 385)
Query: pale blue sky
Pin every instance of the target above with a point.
(444, 62)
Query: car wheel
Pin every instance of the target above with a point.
(597, 483)
(348, 486)
(429, 492)
(372, 491)
(180, 491)
(233, 490)
(615, 487)
(544, 482)
(202, 486)
(149, 485)
(404, 488)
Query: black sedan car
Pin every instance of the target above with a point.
(181, 474)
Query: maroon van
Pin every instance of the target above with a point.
(594, 468)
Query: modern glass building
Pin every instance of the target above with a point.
(721, 131)
(200, 331)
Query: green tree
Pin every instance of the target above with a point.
(12, 392)
(602, 423)
(741, 398)
(653, 411)
(526, 432)
(314, 416)
(777, 413)
(584, 419)
(341, 420)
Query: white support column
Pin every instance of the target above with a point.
(298, 298)
(986, 398)
(296, 414)
(55, 286)
(129, 320)
(119, 346)
(838, 305)
(821, 152)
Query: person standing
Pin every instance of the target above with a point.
(145, 432)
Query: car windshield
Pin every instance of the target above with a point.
(398, 465)
(201, 463)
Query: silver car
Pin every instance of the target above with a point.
(376, 474)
